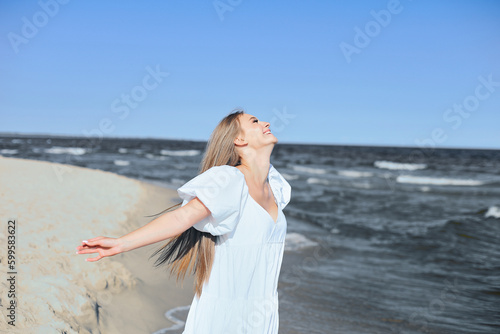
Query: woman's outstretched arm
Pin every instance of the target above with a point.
(164, 227)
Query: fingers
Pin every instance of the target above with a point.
(91, 251)
(87, 244)
(93, 259)
(91, 241)
(87, 248)
(100, 241)
(84, 247)
(102, 245)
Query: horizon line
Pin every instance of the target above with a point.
(11, 134)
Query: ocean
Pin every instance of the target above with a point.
(380, 239)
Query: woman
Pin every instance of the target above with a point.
(229, 231)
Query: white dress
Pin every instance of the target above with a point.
(241, 295)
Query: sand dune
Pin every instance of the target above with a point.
(55, 207)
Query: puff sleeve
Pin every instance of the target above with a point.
(280, 186)
(222, 190)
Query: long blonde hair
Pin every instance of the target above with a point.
(194, 250)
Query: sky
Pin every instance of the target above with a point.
(415, 73)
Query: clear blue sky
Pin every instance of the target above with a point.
(319, 71)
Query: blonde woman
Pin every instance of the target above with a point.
(229, 231)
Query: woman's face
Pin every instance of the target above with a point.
(254, 132)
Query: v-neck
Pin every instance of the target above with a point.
(260, 206)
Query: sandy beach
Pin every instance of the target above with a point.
(53, 289)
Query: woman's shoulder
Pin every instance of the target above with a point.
(222, 190)
(222, 170)
(218, 176)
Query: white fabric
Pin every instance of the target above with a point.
(241, 295)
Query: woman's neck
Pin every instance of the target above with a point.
(255, 170)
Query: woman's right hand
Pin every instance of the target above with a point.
(103, 245)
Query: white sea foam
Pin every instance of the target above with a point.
(66, 150)
(122, 150)
(362, 185)
(398, 165)
(178, 324)
(290, 176)
(309, 170)
(182, 153)
(16, 141)
(7, 151)
(179, 166)
(437, 181)
(354, 173)
(155, 157)
(121, 162)
(493, 211)
(296, 241)
(314, 180)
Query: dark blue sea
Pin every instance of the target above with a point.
(381, 239)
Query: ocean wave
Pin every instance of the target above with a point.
(7, 151)
(309, 170)
(65, 150)
(154, 157)
(17, 141)
(179, 166)
(121, 162)
(354, 173)
(122, 150)
(290, 176)
(362, 185)
(296, 241)
(398, 165)
(437, 181)
(314, 180)
(182, 153)
(178, 323)
(493, 211)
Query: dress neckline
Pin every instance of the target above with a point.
(272, 192)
